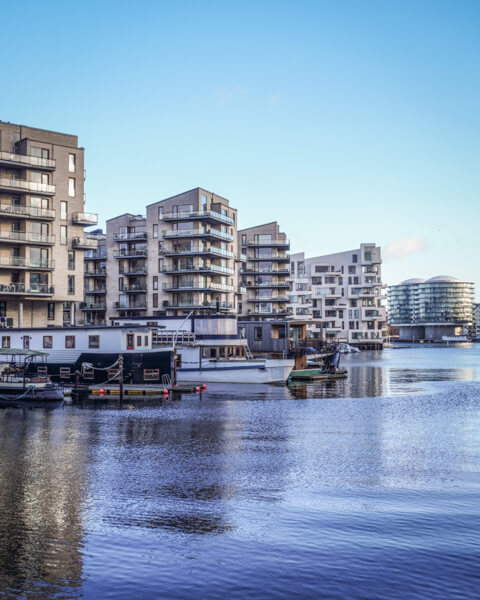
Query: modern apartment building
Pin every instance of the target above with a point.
(94, 308)
(42, 220)
(264, 271)
(178, 257)
(343, 295)
(430, 309)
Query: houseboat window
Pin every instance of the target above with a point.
(151, 374)
(146, 340)
(205, 352)
(5, 341)
(26, 342)
(221, 352)
(47, 341)
(139, 340)
(213, 353)
(130, 341)
(257, 334)
(69, 341)
(94, 341)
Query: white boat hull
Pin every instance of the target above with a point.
(238, 371)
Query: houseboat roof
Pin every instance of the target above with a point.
(21, 352)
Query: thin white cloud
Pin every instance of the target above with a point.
(228, 93)
(406, 246)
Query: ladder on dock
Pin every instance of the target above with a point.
(248, 353)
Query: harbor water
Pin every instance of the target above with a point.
(361, 489)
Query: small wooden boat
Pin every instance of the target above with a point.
(329, 370)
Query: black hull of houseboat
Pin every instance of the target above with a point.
(138, 367)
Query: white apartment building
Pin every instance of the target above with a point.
(343, 295)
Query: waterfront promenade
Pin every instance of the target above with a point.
(362, 488)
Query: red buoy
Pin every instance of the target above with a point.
(102, 392)
(204, 387)
(197, 389)
(165, 391)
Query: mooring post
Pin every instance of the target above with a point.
(120, 369)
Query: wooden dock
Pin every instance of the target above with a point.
(144, 390)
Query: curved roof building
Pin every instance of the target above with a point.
(441, 305)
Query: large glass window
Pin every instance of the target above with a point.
(63, 210)
(71, 163)
(71, 187)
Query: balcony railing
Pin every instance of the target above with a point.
(95, 290)
(27, 237)
(142, 287)
(84, 243)
(277, 243)
(94, 255)
(87, 219)
(122, 306)
(198, 268)
(27, 159)
(198, 215)
(240, 257)
(25, 263)
(125, 253)
(28, 186)
(26, 211)
(197, 285)
(134, 235)
(197, 233)
(133, 271)
(32, 290)
(97, 273)
(214, 305)
(93, 306)
(197, 250)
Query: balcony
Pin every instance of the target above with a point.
(213, 269)
(93, 306)
(28, 212)
(80, 243)
(207, 216)
(97, 273)
(240, 257)
(95, 255)
(195, 251)
(133, 271)
(133, 236)
(85, 219)
(134, 253)
(95, 291)
(270, 284)
(241, 290)
(130, 306)
(275, 258)
(197, 286)
(20, 289)
(26, 237)
(20, 262)
(206, 305)
(269, 271)
(197, 233)
(275, 243)
(136, 289)
(269, 299)
(12, 159)
(26, 186)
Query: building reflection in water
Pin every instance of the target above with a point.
(42, 492)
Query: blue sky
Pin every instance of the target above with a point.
(345, 121)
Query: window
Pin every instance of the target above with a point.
(155, 230)
(26, 342)
(204, 199)
(47, 341)
(145, 340)
(139, 340)
(94, 341)
(71, 284)
(351, 270)
(321, 269)
(155, 300)
(39, 152)
(71, 187)
(160, 213)
(63, 235)
(155, 282)
(3, 309)
(51, 311)
(257, 334)
(71, 260)
(5, 341)
(354, 258)
(244, 239)
(63, 210)
(71, 163)
(69, 341)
